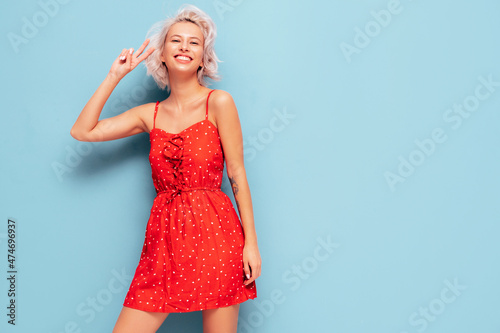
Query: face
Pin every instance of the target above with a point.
(183, 48)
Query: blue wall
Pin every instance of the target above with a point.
(371, 137)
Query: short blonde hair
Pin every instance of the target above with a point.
(158, 33)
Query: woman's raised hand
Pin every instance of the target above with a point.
(128, 60)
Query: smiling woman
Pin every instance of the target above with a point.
(197, 253)
(200, 36)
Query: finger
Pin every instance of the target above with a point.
(146, 54)
(257, 272)
(143, 46)
(252, 279)
(246, 270)
(129, 55)
(122, 54)
(249, 281)
(249, 274)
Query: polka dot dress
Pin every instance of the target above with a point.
(192, 257)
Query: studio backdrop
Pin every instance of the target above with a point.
(371, 133)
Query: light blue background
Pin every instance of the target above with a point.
(317, 177)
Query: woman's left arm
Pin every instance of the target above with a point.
(228, 124)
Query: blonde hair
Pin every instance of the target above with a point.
(158, 33)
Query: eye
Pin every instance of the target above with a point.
(195, 43)
(175, 40)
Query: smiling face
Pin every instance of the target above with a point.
(183, 49)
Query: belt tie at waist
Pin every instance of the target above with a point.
(173, 192)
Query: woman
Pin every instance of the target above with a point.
(197, 255)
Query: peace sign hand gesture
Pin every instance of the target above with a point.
(128, 60)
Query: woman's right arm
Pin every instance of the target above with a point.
(88, 127)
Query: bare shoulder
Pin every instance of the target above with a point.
(145, 113)
(221, 100)
(222, 104)
(145, 110)
(221, 96)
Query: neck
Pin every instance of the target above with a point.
(184, 89)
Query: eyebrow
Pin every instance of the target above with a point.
(189, 37)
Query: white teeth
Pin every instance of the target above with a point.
(183, 58)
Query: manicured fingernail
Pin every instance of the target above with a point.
(248, 276)
(131, 50)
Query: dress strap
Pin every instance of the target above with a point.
(156, 110)
(206, 113)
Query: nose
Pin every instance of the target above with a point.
(184, 45)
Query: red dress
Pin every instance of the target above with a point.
(192, 257)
